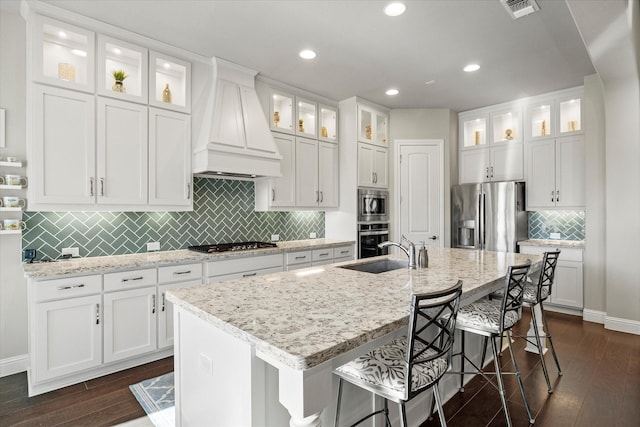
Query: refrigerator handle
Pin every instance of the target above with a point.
(483, 218)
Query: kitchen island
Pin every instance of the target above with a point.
(304, 324)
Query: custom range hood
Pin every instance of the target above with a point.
(234, 139)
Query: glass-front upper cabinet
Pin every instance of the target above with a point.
(474, 130)
(281, 111)
(63, 54)
(169, 82)
(122, 70)
(540, 120)
(506, 125)
(328, 123)
(570, 114)
(307, 118)
(372, 126)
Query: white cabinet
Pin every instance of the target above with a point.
(173, 277)
(497, 163)
(297, 260)
(555, 173)
(555, 116)
(307, 118)
(372, 126)
(279, 192)
(121, 153)
(117, 55)
(373, 166)
(316, 173)
(315, 257)
(170, 177)
(328, 123)
(169, 82)
(567, 290)
(237, 268)
(343, 253)
(65, 320)
(63, 153)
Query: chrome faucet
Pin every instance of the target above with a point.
(410, 250)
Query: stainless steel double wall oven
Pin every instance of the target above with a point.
(373, 222)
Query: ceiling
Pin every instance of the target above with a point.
(363, 52)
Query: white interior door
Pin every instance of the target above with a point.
(421, 183)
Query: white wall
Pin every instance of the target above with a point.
(13, 289)
(611, 31)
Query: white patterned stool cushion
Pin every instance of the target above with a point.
(484, 315)
(383, 369)
(530, 294)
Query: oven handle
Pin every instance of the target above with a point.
(373, 233)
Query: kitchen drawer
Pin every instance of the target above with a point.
(242, 275)
(291, 267)
(69, 287)
(243, 265)
(319, 255)
(343, 252)
(298, 257)
(130, 279)
(179, 273)
(566, 254)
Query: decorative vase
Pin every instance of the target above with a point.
(543, 128)
(301, 125)
(324, 132)
(276, 118)
(477, 137)
(118, 86)
(367, 130)
(66, 72)
(508, 134)
(166, 94)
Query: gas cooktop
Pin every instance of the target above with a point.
(224, 247)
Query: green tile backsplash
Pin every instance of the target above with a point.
(570, 224)
(223, 212)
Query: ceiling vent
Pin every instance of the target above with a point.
(519, 8)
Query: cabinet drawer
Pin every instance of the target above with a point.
(242, 275)
(129, 279)
(319, 255)
(179, 273)
(243, 265)
(67, 288)
(343, 252)
(298, 257)
(566, 254)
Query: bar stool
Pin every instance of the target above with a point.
(423, 357)
(491, 319)
(536, 293)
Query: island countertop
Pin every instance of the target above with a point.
(306, 317)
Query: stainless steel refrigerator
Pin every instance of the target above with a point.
(488, 216)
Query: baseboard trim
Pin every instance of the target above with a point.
(13, 365)
(622, 325)
(594, 316)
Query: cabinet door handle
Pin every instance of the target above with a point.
(553, 193)
(249, 274)
(557, 195)
(132, 278)
(153, 304)
(97, 314)
(321, 196)
(324, 254)
(102, 187)
(188, 191)
(317, 196)
(163, 301)
(491, 171)
(91, 187)
(177, 273)
(344, 252)
(301, 257)
(273, 194)
(487, 172)
(64, 288)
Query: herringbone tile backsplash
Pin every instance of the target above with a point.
(223, 212)
(570, 224)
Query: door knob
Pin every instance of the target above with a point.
(433, 237)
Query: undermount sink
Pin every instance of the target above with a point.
(378, 266)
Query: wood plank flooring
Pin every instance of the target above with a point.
(600, 387)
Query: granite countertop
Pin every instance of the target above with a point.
(578, 244)
(305, 317)
(107, 264)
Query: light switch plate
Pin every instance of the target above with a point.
(312, 235)
(74, 252)
(153, 246)
(275, 237)
(554, 235)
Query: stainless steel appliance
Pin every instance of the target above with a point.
(369, 236)
(373, 205)
(488, 216)
(224, 247)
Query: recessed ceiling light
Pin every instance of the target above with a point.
(392, 92)
(307, 54)
(395, 9)
(471, 67)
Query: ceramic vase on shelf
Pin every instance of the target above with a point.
(66, 72)
(543, 128)
(276, 118)
(166, 94)
(301, 125)
(508, 134)
(118, 86)
(324, 132)
(477, 137)
(367, 130)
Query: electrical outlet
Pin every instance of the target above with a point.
(153, 246)
(312, 235)
(74, 252)
(554, 235)
(275, 237)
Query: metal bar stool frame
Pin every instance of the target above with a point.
(427, 347)
(510, 311)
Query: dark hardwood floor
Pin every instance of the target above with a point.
(600, 387)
